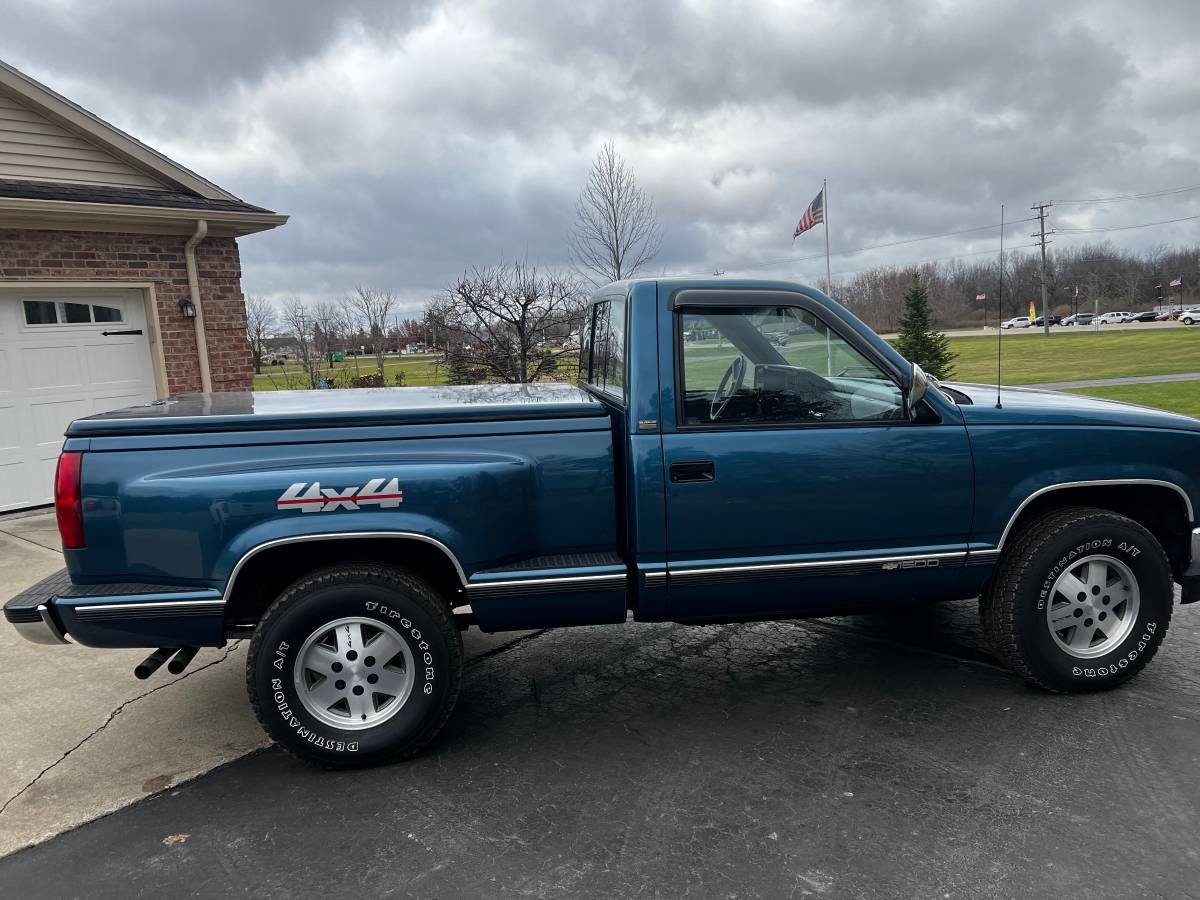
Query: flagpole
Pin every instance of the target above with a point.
(825, 204)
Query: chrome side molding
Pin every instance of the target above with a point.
(548, 584)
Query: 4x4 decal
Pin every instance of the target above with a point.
(314, 498)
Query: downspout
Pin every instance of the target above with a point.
(189, 257)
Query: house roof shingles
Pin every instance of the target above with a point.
(83, 193)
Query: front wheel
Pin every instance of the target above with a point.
(355, 665)
(1081, 600)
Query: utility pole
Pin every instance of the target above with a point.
(1041, 211)
(1041, 235)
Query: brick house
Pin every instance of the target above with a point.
(120, 280)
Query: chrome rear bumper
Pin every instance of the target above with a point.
(41, 630)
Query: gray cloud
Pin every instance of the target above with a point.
(409, 141)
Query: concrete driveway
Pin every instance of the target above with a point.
(81, 737)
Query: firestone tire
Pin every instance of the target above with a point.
(1079, 565)
(312, 655)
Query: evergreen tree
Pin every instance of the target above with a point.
(918, 341)
(459, 369)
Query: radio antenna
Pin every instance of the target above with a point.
(1000, 307)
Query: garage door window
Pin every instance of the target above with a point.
(61, 312)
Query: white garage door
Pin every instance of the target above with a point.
(63, 355)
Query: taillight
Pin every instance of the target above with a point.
(68, 504)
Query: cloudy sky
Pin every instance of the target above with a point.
(410, 140)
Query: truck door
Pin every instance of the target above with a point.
(795, 480)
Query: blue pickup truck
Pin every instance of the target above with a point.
(733, 451)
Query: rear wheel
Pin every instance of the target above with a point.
(355, 665)
(1081, 600)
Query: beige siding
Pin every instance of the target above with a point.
(33, 148)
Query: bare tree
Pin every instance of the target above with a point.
(329, 328)
(260, 325)
(509, 323)
(374, 310)
(297, 321)
(616, 229)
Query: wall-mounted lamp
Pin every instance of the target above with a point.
(187, 307)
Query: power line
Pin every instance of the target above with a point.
(921, 262)
(1125, 227)
(1122, 198)
(766, 264)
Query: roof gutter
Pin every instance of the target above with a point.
(189, 256)
(17, 211)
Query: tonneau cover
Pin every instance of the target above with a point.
(240, 411)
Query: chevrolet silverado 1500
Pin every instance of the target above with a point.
(734, 450)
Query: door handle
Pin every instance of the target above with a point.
(693, 470)
(128, 331)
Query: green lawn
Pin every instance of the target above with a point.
(1074, 355)
(1181, 396)
(419, 369)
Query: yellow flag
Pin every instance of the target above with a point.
(1032, 310)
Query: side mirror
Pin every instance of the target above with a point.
(917, 390)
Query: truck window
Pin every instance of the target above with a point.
(776, 366)
(607, 356)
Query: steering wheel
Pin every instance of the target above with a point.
(731, 380)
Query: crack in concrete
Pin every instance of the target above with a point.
(25, 540)
(111, 716)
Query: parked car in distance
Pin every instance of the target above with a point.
(1054, 320)
(1111, 318)
(778, 338)
(1078, 319)
(1018, 322)
(1190, 316)
(1148, 316)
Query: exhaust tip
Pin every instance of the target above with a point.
(151, 663)
(181, 660)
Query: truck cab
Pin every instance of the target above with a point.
(761, 475)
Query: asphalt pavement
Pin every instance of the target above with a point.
(876, 756)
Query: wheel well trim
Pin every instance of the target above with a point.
(1107, 482)
(336, 536)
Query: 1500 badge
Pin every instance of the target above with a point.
(911, 564)
(314, 498)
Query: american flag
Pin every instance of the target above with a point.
(1178, 282)
(981, 296)
(814, 215)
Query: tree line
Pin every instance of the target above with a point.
(1087, 278)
